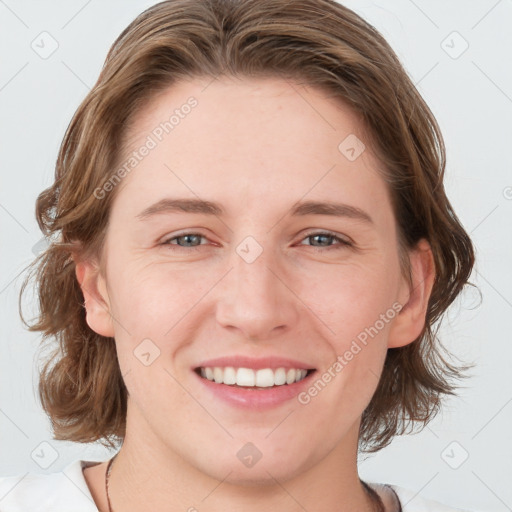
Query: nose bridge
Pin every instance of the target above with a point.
(255, 298)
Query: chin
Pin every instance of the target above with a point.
(263, 473)
(262, 477)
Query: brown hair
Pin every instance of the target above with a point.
(316, 42)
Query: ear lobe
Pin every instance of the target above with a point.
(97, 302)
(410, 322)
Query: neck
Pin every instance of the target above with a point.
(146, 475)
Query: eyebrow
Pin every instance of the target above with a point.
(173, 205)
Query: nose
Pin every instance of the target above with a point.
(257, 299)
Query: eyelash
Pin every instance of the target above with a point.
(342, 242)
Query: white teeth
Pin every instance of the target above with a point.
(279, 377)
(244, 376)
(218, 375)
(229, 375)
(264, 378)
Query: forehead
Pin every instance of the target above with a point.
(244, 114)
(247, 138)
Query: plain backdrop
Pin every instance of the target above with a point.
(458, 53)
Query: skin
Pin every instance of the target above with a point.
(256, 146)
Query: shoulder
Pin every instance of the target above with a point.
(63, 491)
(411, 501)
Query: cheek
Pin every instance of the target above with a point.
(152, 300)
(351, 299)
(359, 317)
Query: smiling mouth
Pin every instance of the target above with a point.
(248, 378)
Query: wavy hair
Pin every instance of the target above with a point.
(319, 43)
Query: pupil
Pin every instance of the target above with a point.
(322, 236)
(188, 237)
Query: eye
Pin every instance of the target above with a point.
(325, 236)
(188, 238)
(193, 240)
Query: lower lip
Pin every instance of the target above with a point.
(256, 399)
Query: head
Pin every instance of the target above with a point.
(258, 117)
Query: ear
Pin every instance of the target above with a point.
(410, 321)
(97, 303)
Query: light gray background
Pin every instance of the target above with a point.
(471, 96)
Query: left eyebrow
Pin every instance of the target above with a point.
(331, 208)
(173, 205)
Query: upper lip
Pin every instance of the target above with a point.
(240, 361)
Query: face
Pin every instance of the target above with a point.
(255, 279)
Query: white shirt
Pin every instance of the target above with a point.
(67, 491)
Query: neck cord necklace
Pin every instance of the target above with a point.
(107, 476)
(379, 505)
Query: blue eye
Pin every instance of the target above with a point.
(188, 236)
(193, 238)
(329, 236)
